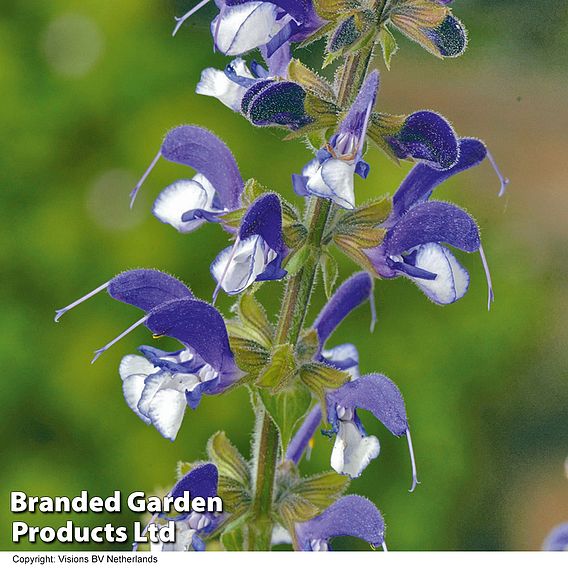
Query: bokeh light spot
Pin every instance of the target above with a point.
(72, 44)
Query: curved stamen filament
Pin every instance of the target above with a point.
(364, 130)
(180, 20)
(504, 180)
(373, 309)
(61, 311)
(134, 192)
(222, 279)
(415, 481)
(491, 296)
(100, 351)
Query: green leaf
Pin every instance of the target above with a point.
(353, 245)
(298, 258)
(250, 356)
(280, 369)
(330, 272)
(183, 468)
(388, 45)
(287, 408)
(381, 126)
(228, 459)
(319, 378)
(331, 57)
(290, 215)
(253, 317)
(296, 509)
(233, 218)
(294, 235)
(308, 345)
(417, 18)
(253, 190)
(372, 213)
(318, 34)
(294, 230)
(324, 112)
(315, 140)
(331, 9)
(235, 536)
(310, 80)
(236, 499)
(323, 489)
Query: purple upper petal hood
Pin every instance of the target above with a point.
(204, 152)
(146, 289)
(200, 326)
(349, 516)
(426, 136)
(375, 393)
(275, 103)
(351, 294)
(354, 121)
(201, 481)
(423, 179)
(433, 222)
(264, 218)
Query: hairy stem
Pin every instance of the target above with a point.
(260, 529)
(297, 296)
(299, 288)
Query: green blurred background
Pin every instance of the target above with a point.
(88, 90)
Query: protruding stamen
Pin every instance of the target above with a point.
(310, 448)
(100, 351)
(373, 309)
(504, 180)
(415, 481)
(491, 296)
(220, 283)
(180, 21)
(384, 545)
(364, 130)
(61, 311)
(151, 521)
(134, 192)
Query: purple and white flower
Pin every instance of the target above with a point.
(214, 191)
(262, 96)
(159, 386)
(228, 85)
(425, 136)
(190, 528)
(417, 227)
(353, 449)
(258, 250)
(352, 515)
(243, 25)
(330, 173)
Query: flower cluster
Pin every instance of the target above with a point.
(299, 384)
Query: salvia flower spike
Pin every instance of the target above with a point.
(299, 381)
